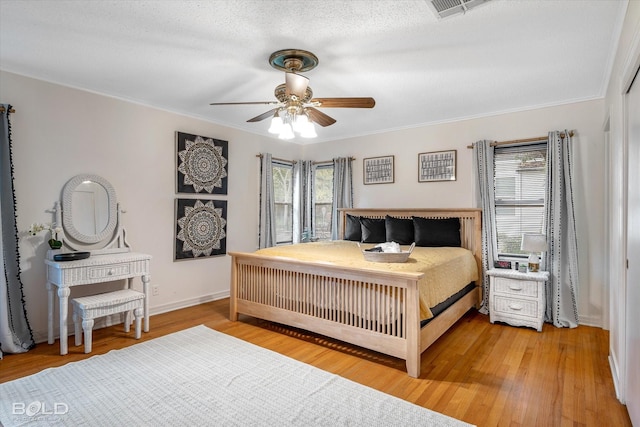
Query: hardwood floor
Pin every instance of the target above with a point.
(484, 374)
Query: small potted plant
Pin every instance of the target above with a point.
(53, 241)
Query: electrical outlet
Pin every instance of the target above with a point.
(155, 290)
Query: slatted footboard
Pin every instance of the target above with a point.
(372, 309)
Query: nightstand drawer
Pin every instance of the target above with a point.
(527, 288)
(520, 307)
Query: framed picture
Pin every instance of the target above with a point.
(200, 228)
(437, 166)
(502, 264)
(202, 164)
(378, 170)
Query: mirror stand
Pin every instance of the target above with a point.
(116, 244)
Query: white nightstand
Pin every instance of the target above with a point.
(517, 298)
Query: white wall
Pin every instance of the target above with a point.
(59, 132)
(585, 118)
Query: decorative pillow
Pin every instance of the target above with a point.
(352, 230)
(372, 230)
(399, 230)
(437, 232)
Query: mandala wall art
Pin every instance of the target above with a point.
(202, 164)
(201, 228)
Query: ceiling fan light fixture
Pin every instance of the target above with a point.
(309, 131)
(300, 122)
(286, 124)
(286, 132)
(276, 124)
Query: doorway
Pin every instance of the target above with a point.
(632, 335)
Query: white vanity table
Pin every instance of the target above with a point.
(90, 218)
(90, 271)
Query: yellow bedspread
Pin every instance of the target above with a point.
(447, 270)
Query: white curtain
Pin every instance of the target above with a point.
(485, 199)
(15, 333)
(342, 190)
(561, 259)
(267, 224)
(302, 198)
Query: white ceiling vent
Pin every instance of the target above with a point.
(446, 8)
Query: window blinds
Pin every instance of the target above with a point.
(520, 179)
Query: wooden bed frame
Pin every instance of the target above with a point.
(342, 299)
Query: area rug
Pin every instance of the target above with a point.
(201, 377)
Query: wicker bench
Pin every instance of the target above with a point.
(91, 307)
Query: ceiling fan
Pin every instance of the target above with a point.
(296, 109)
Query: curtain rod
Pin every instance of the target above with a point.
(351, 159)
(522, 141)
(2, 110)
(293, 161)
(277, 159)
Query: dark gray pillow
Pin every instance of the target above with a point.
(437, 232)
(352, 230)
(372, 230)
(399, 230)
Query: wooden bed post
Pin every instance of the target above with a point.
(477, 253)
(233, 301)
(413, 330)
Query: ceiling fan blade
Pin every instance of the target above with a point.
(246, 103)
(319, 117)
(344, 102)
(296, 84)
(263, 116)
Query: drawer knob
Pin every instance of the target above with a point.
(515, 307)
(515, 288)
(110, 272)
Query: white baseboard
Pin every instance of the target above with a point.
(176, 305)
(103, 322)
(616, 382)
(595, 321)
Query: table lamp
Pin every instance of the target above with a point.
(534, 243)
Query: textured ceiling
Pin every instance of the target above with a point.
(181, 55)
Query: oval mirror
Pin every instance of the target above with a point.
(89, 208)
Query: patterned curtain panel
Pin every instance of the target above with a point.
(15, 333)
(342, 190)
(485, 199)
(302, 198)
(267, 225)
(561, 260)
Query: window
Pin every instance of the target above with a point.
(320, 193)
(322, 201)
(283, 191)
(520, 178)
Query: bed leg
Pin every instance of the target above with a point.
(413, 368)
(233, 308)
(413, 357)
(233, 291)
